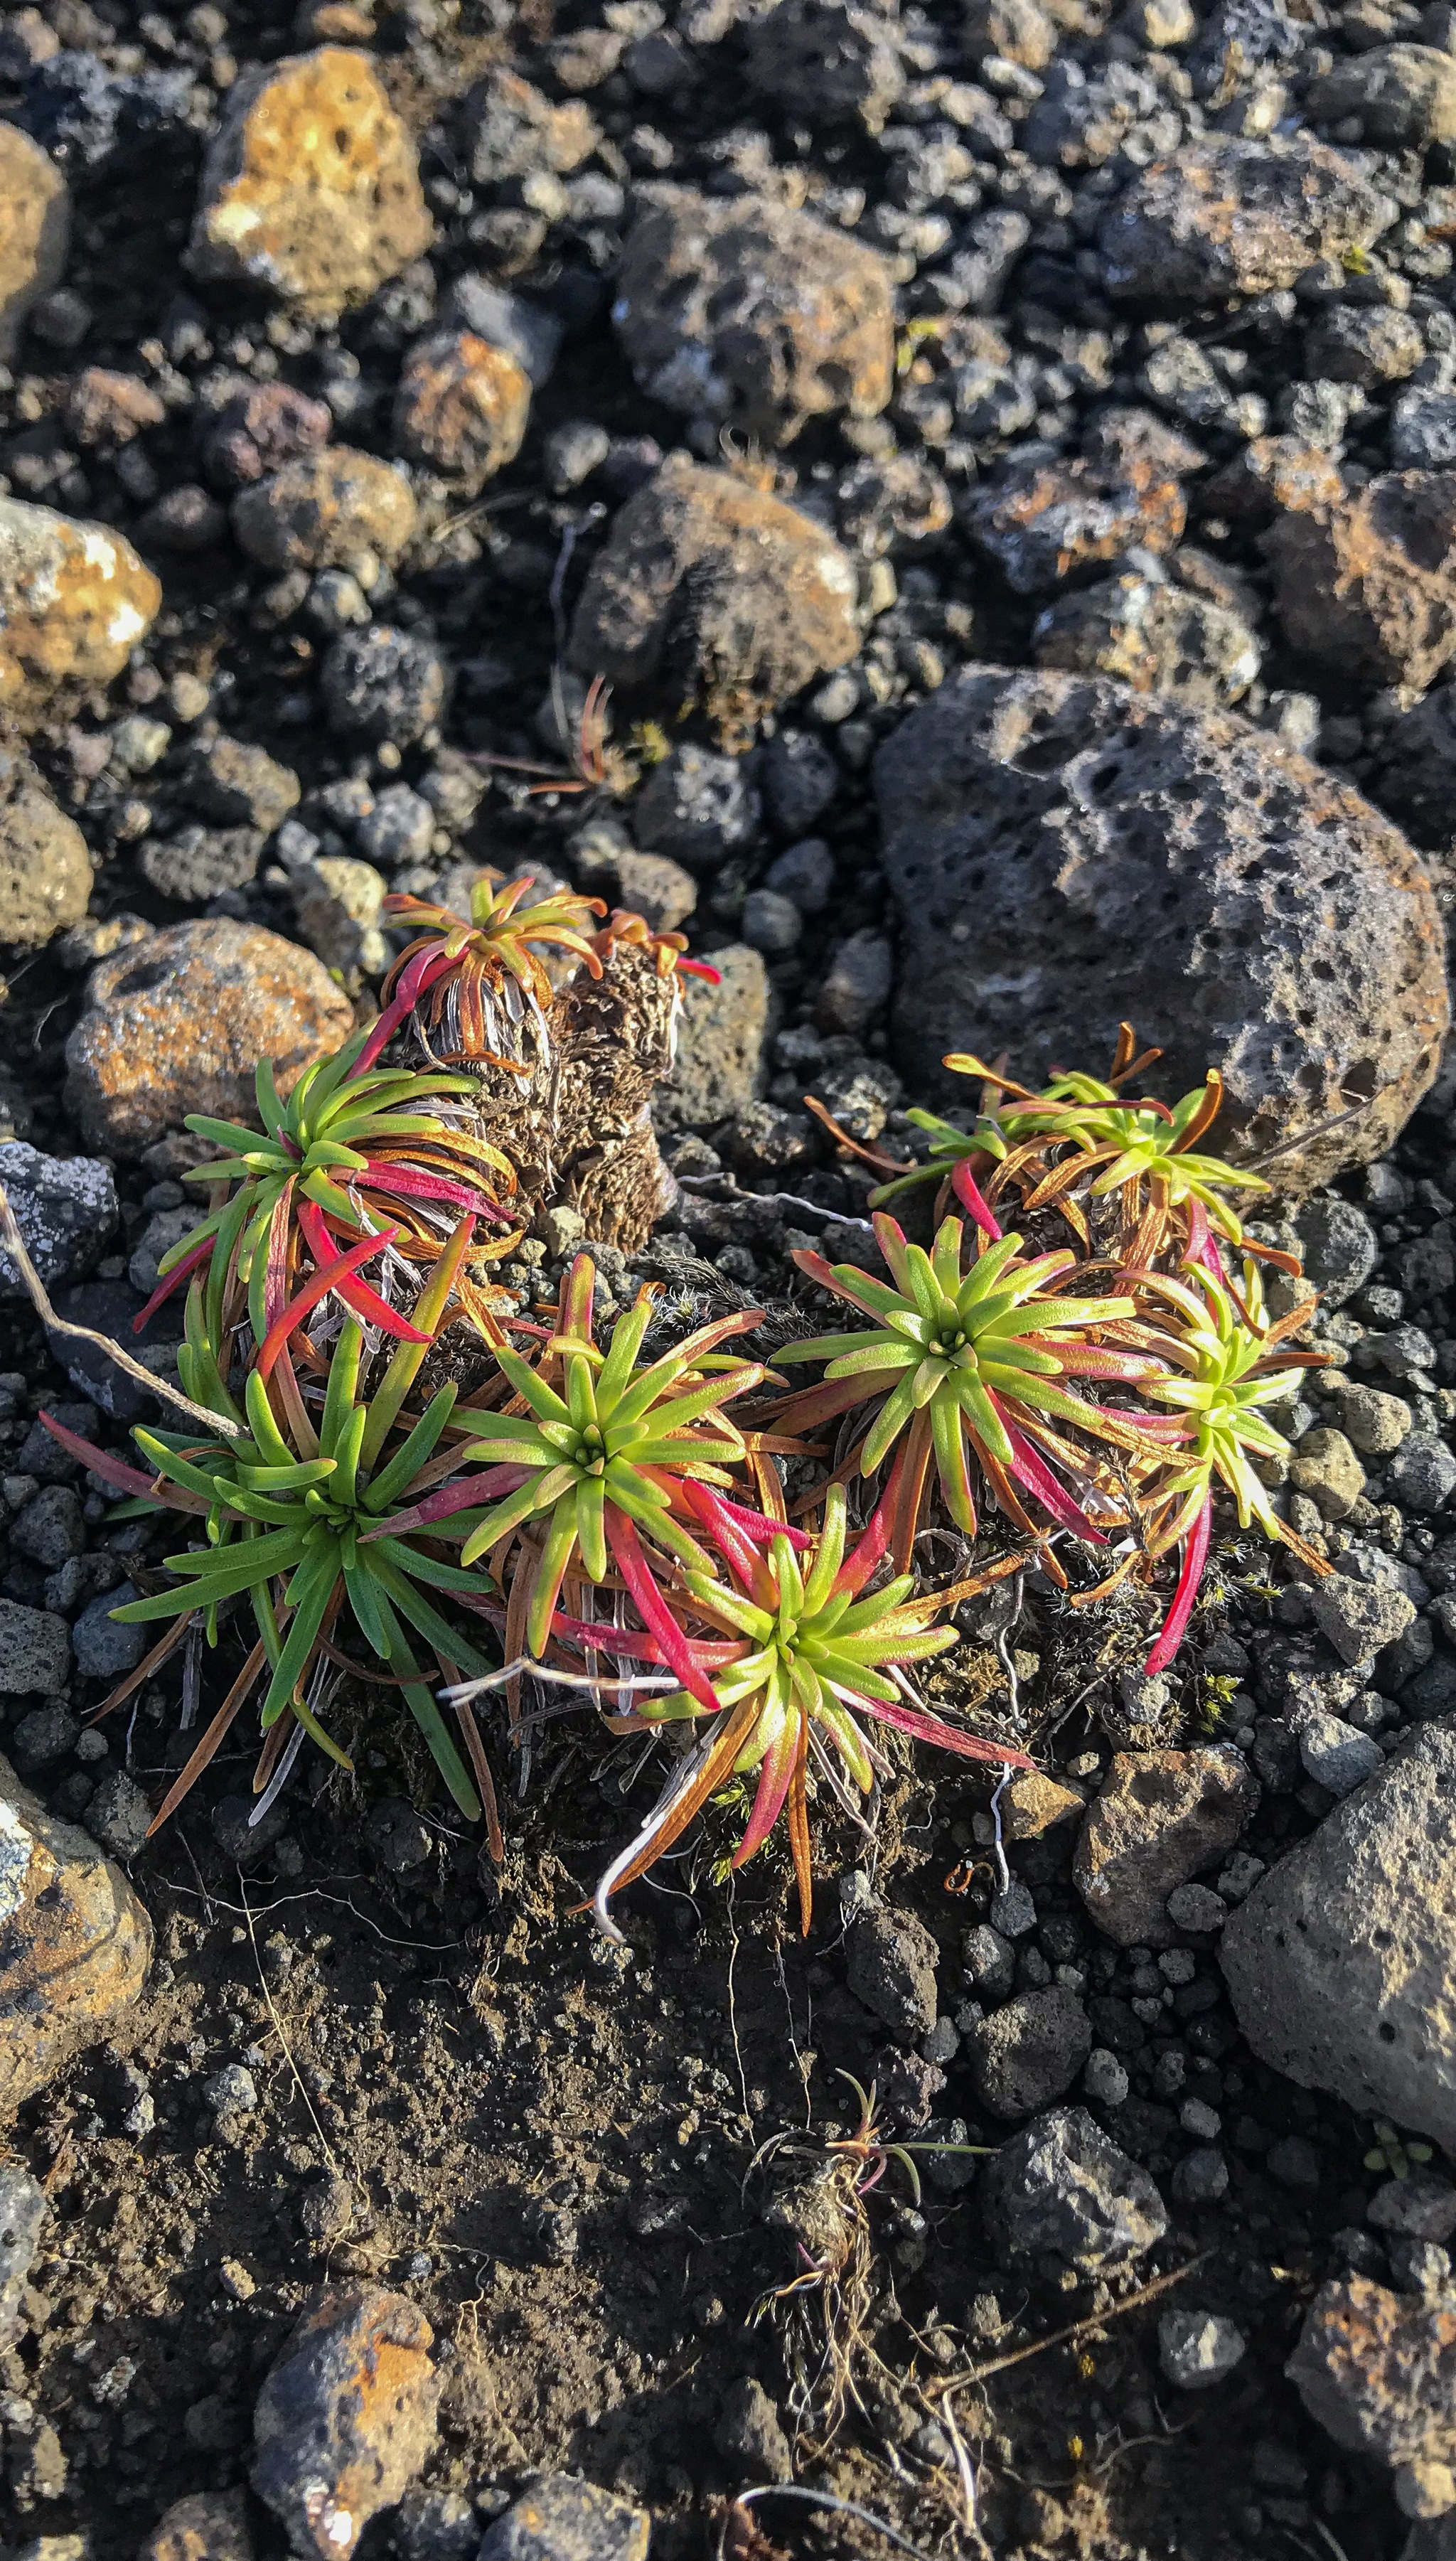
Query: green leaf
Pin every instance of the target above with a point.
(413, 1452)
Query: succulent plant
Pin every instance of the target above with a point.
(295, 1516)
(475, 982)
(976, 1365)
(1223, 1362)
(353, 1164)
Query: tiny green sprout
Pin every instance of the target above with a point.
(1393, 2154)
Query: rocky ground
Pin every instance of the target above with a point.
(1001, 459)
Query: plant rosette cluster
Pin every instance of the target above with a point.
(618, 1523)
(971, 1369)
(293, 1503)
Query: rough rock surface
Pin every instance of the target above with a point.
(35, 231)
(892, 1969)
(831, 57)
(1234, 216)
(1046, 519)
(1419, 776)
(1368, 588)
(745, 309)
(211, 2525)
(1154, 636)
(324, 509)
(74, 1943)
(1197, 2349)
(1060, 2189)
(46, 874)
(719, 1041)
(178, 1023)
(311, 184)
(346, 2416)
(1378, 2371)
(1399, 94)
(511, 130)
(1065, 855)
(75, 601)
(1160, 1818)
(562, 2520)
(711, 590)
(1272, 472)
(66, 1209)
(1028, 2051)
(23, 2211)
(461, 408)
(1340, 1963)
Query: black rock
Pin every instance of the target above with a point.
(383, 685)
(95, 121)
(1061, 2190)
(1065, 855)
(891, 1969)
(699, 807)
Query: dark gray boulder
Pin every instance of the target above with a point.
(1065, 855)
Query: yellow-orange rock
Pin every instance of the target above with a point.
(177, 1023)
(74, 1943)
(1270, 473)
(461, 407)
(1367, 587)
(211, 2525)
(323, 509)
(35, 231)
(312, 185)
(1033, 1803)
(74, 600)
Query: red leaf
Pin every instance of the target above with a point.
(931, 1729)
(172, 1281)
(1031, 1471)
(367, 1304)
(597, 1635)
(967, 1190)
(863, 1558)
(100, 1462)
(289, 1319)
(652, 1607)
(459, 1497)
(1191, 1574)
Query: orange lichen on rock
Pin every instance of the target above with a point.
(75, 601)
(312, 185)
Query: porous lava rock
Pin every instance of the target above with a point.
(45, 868)
(74, 1943)
(310, 187)
(1342, 1962)
(346, 2416)
(1064, 855)
(1366, 589)
(711, 591)
(75, 601)
(35, 231)
(461, 407)
(748, 309)
(178, 1022)
(324, 509)
(1229, 215)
